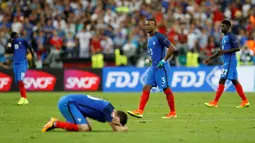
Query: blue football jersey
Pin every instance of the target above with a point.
(228, 42)
(92, 107)
(19, 46)
(156, 46)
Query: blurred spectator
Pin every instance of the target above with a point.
(242, 37)
(246, 56)
(52, 26)
(84, 37)
(16, 25)
(70, 45)
(95, 43)
(56, 41)
(107, 45)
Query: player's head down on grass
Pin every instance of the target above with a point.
(122, 117)
(77, 108)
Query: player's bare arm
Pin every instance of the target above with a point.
(30, 49)
(215, 55)
(116, 123)
(229, 51)
(118, 127)
(170, 51)
(31, 52)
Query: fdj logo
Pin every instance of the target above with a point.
(188, 79)
(122, 79)
(214, 76)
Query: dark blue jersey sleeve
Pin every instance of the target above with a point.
(25, 42)
(108, 112)
(163, 40)
(233, 41)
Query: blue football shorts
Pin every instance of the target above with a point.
(158, 77)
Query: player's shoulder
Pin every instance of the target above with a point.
(231, 35)
(158, 34)
(20, 39)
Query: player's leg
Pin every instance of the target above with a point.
(218, 94)
(239, 90)
(19, 72)
(75, 121)
(162, 77)
(170, 101)
(143, 101)
(149, 82)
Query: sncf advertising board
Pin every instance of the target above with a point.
(54, 80)
(82, 80)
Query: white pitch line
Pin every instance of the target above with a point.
(209, 120)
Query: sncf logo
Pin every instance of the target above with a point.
(39, 80)
(81, 80)
(5, 82)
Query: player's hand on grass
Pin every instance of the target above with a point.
(161, 64)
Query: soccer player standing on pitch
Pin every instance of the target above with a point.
(228, 48)
(18, 47)
(159, 71)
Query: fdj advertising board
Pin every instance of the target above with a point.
(203, 79)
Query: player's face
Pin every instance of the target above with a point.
(224, 28)
(149, 26)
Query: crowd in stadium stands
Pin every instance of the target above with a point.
(60, 29)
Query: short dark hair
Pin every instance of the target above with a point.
(152, 19)
(226, 22)
(13, 34)
(123, 117)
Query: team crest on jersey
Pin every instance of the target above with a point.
(154, 43)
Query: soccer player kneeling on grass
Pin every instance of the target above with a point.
(160, 49)
(228, 48)
(76, 108)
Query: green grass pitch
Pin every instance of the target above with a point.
(195, 123)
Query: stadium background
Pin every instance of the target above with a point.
(94, 35)
(100, 46)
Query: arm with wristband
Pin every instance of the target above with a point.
(165, 43)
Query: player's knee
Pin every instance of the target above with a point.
(146, 88)
(235, 82)
(84, 128)
(222, 81)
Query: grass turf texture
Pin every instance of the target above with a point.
(195, 122)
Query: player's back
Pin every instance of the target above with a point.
(229, 42)
(92, 107)
(156, 49)
(19, 46)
